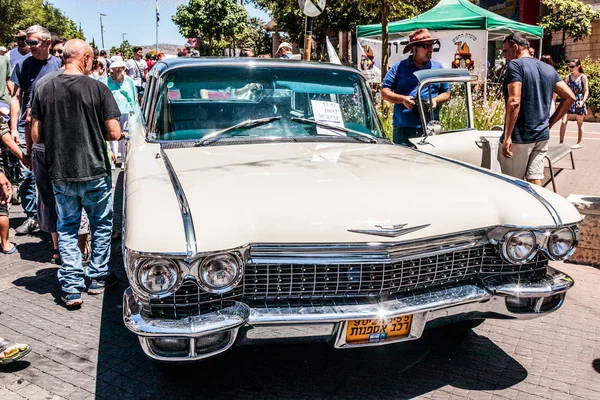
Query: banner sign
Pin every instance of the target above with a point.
(458, 49)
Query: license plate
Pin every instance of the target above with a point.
(378, 330)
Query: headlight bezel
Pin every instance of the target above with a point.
(146, 263)
(207, 287)
(547, 248)
(506, 242)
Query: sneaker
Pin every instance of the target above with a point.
(30, 225)
(98, 286)
(71, 299)
(576, 146)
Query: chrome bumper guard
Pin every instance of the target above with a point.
(506, 301)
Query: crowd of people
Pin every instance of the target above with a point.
(63, 125)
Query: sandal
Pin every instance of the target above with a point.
(11, 251)
(56, 260)
(18, 351)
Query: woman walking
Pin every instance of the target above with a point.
(578, 82)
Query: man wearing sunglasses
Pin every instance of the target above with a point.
(400, 86)
(24, 76)
(528, 88)
(20, 52)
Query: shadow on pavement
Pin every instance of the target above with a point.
(308, 371)
(596, 365)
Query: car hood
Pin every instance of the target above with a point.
(319, 192)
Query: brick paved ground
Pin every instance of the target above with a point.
(88, 353)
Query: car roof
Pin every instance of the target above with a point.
(166, 65)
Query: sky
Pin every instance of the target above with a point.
(134, 17)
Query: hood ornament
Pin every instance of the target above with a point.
(389, 230)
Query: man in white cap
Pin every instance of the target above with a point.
(284, 50)
(3, 50)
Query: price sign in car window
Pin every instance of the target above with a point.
(329, 113)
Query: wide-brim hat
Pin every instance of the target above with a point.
(418, 36)
(284, 45)
(117, 64)
(20, 33)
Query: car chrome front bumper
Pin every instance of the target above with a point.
(209, 334)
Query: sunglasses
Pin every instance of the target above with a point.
(21, 38)
(425, 46)
(33, 42)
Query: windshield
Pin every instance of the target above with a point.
(204, 101)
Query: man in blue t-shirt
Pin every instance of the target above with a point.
(400, 87)
(528, 88)
(24, 76)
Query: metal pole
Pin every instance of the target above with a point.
(307, 38)
(102, 29)
(123, 37)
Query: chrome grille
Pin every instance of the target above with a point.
(303, 284)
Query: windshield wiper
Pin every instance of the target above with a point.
(361, 136)
(213, 136)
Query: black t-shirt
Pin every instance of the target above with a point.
(72, 110)
(26, 73)
(538, 82)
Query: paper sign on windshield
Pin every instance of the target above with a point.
(328, 112)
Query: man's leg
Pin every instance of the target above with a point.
(515, 166)
(97, 202)
(402, 134)
(68, 208)
(7, 246)
(27, 194)
(46, 204)
(535, 167)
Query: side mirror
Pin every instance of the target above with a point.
(434, 128)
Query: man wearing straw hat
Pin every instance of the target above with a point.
(400, 86)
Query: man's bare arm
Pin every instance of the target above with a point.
(513, 106)
(37, 134)
(15, 111)
(113, 129)
(12, 146)
(567, 98)
(388, 95)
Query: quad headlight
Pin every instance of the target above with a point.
(561, 242)
(220, 273)
(158, 276)
(519, 246)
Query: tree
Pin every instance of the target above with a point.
(255, 36)
(21, 14)
(340, 15)
(214, 22)
(572, 17)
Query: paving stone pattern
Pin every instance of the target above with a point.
(88, 353)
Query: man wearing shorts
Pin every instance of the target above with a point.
(528, 88)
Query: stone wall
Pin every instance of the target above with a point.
(582, 48)
(588, 251)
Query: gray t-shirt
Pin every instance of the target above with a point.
(4, 76)
(538, 82)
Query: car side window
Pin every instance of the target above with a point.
(454, 113)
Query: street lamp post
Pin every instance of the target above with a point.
(123, 36)
(102, 29)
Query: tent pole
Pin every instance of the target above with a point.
(487, 44)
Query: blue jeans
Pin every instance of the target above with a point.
(27, 190)
(96, 198)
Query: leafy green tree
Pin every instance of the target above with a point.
(572, 17)
(340, 15)
(214, 22)
(21, 14)
(255, 36)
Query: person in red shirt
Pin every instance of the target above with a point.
(149, 61)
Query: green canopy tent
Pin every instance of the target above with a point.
(455, 15)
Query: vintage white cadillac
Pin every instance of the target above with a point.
(263, 203)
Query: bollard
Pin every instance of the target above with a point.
(588, 251)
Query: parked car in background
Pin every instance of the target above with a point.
(262, 202)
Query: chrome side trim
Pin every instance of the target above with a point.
(186, 213)
(515, 182)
